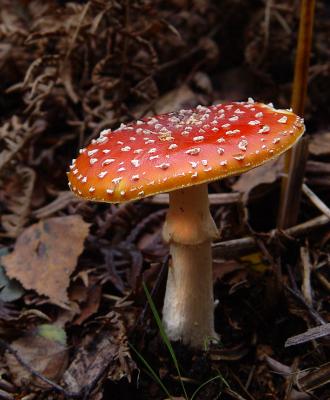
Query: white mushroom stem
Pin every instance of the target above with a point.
(189, 305)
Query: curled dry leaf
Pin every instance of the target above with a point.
(45, 255)
(91, 305)
(44, 351)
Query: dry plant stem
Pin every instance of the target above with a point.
(247, 244)
(311, 334)
(291, 186)
(324, 281)
(306, 273)
(188, 305)
(316, 200)
(295, 159)
(214, 198)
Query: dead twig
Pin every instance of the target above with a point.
(320, 376)
(316, 200)
(246, 244)
(311, 334)
(63, 199)
(316, 316)
(306, 275)
(323, 280)
(214, 198)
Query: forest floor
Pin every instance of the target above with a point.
(72, 303)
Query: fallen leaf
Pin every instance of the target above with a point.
(91, 305)
(320, 144)
(52, 333)
(44, 351)
(173, 100)
(176, 99)
(253, 179)
(45, 255)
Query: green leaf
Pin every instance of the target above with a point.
(53, 333)
(151, 371)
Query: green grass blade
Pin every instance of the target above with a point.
(207, 382)
(164, 336)
(151, 371)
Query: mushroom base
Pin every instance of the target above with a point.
(189, 306)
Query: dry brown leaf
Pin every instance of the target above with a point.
(182, 97)
(266, 174)
(45, 255)
(176, 99)
(91, 305)
(43, 354)
(320, 144)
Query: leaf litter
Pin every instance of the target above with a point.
(45, 351)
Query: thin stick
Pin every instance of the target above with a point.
(316, 316)
(295, 159)
(311, 334)
(323, 280)
(306, 275)
(244, 245)
(214, 198)
(316, 200)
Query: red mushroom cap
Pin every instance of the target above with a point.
(180, 149)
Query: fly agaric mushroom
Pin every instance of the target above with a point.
(180, 153)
